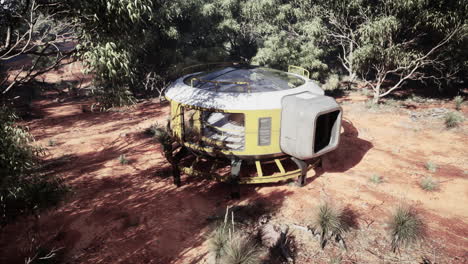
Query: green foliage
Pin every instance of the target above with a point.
(332, 82)
(431, 166)
(51, 143)
(17, 155)
(123, 159)
(329, 222)
(22, 189)
(452, 119)
(458, 100)
(405, 227)
(429, 184)
(375, 178)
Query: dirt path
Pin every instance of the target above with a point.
(131, 214)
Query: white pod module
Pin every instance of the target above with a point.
(310, 125)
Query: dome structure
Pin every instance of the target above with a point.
(253, 113)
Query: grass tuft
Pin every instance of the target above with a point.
(458, 100)
(240, 249)
(231, 246)
(431, 166)
(51, 143)
(405, 227)
(123, 160)
(429, 184)
(375, 178)
(330, 223)
(335, 260)
(453, 119)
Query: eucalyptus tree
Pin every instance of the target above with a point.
(36, 29)
(291, 32)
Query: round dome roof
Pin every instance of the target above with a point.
(244, 79)
(239, 87)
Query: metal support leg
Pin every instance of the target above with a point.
(303, 167)
(175, 166)
(235, 173)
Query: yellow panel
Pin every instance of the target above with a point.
(251, 147)
(176, 119)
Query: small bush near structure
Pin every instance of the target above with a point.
(431, 166)
(453, 119)
(458, 100)
(429, 184)
(405, 227)
(330, 223)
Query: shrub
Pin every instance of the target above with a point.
(332, 82)
(458, 102)
(405, 227)
(123, 160)
(376, 179)
(22, 188)
(429, 184)
(51, 143)
(332, 86)
(330, 223)
(453, 119)
(230, 246)
(430, 166)
(240, 249)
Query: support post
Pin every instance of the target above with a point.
(303, 167)
(234, 181)
(175, 165)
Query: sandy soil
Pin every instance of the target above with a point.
(131, 214)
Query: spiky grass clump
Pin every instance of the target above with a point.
(431, 166)
(429, 184)
(123, 159)
(375, 178)
(329, 222)
(405, 227)
(458, 100)
(229, 246)
(218, 240)
(240, 249)
(453, 119)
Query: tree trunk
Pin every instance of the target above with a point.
(376, 98)
(352, 73)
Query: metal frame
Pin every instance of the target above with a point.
(303, 72)
(219, 83)
(235, 177)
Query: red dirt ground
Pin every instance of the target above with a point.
(127, 214)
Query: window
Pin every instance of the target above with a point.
(224, 129)
(264, 131)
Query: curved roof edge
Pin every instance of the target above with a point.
(185, 94)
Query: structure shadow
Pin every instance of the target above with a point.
(349, 153)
